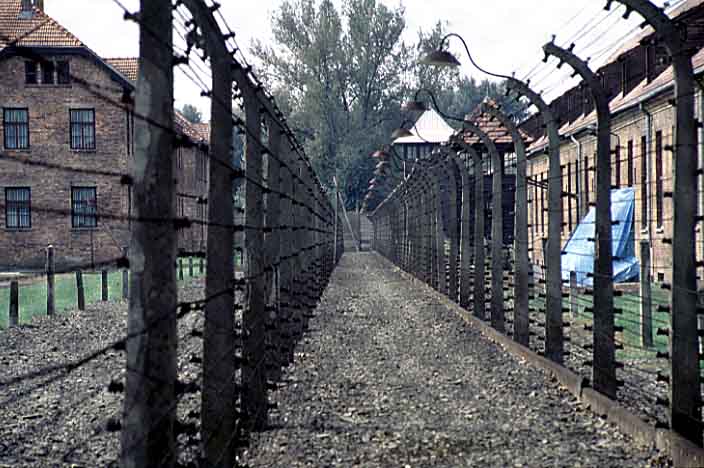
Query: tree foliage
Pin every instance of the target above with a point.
(192, 114)
(342, 76)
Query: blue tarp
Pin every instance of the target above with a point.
(578, 254)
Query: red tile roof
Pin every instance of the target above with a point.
(188, 129)
(40, 30)
(127, 66)
(492, 127)
(203, 129)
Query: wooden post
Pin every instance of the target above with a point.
(180, 268)
(646, 297)
(50, 281)
(14, 303)
(574, 304)
(104, 285)
(190, 266)
(125, 277)
(80, 291)
(201, 265)
(149, 415)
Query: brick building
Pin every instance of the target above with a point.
(640, 83)
(67, 136)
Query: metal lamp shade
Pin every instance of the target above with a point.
(440, 58)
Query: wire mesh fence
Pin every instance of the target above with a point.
(223, 262)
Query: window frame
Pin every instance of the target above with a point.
(82, 126)
(48, 68)
(75, 216)
(63, 73)
(17, 125)
(28, 73)
(28, 202)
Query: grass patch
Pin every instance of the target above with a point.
(33, 295)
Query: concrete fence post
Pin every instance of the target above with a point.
(604, 363)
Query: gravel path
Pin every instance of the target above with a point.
(389, 377)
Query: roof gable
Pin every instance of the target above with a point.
(429, 128)
(40, 30)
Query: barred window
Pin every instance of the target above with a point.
(84, 203)
(16, 128)
(18, 208)
(82, 129)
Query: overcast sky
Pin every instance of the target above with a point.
(503, 35)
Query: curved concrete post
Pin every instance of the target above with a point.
(497, 230)
(685, 379)
(521, 322)
(603, 364)
(465, 247)
(554, 333)
(453, 223)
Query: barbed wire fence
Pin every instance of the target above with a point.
(641, 347)
(198, 369)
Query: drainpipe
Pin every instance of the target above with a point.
(648, 169)
(580, 201)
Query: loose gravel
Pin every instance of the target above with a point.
(386, 377)
(390, 377)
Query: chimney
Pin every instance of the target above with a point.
(27, 11)
(39, 4)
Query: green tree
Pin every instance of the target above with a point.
(341, 77)
(192, 114)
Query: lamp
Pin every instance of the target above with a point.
(440, 58)
(414, 106)
(443, 58)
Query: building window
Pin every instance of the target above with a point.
(82, 129)
(16, 128)
(179, 158)
(63, 72)
(658, 179)
(84, 203)
(48, 73)
(18, 208)
(30, 73)
(629, 164)
(617, 167)
(644, 182)
(201, 166)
